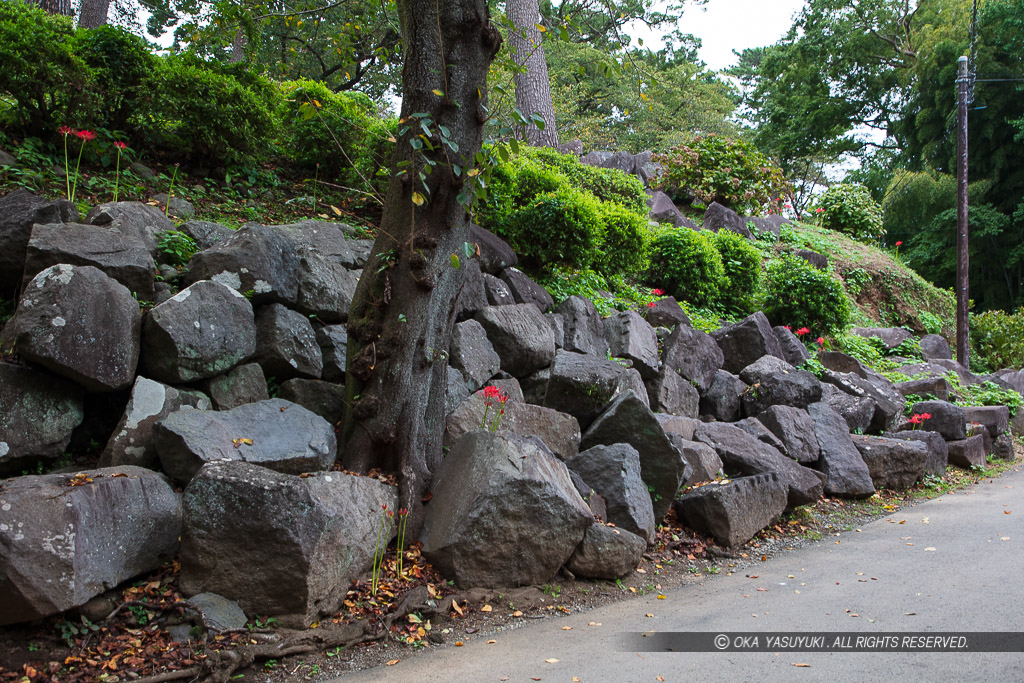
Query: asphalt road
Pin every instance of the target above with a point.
(952, 564)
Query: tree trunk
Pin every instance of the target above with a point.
(533, 88)
(403, 310)
(238, 47)
(54, 6)
(93, 13)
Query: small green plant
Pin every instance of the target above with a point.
(270, 664)
(493, 398)
(850, 209)
(33, 647)
(712, 570)
(261, 623)
(403, 518)
(170, 191)
(336, 652)
(121, 147)
(554, 590)
(140, 613)
(69, 629)
(177, 247)
(383, 534)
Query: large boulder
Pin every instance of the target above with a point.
(733, 511)
(326, 399)
(996, 419)
(932, 386)
(333, 342)
(150, 401)
(473, 354)
(123, 258)
(893, 463)
(858, 411)
(846, 474)
(628, 420)
(276, 434)
(665, 312)
(891, 337)
(64, 539)
(473, 296)
(744, 342)
(693, 354)
(935, 347)
(743, 454)
(80, 324)
(278, 544)
(238, 386)
(495, 254)
(286, 344)
(793, 350)
(504, 513)
(855, 378)
(582, 327)
(202, 331)
(721, 401)
(38, 412)
(797, 388)
(670, 393)
(606, 553)
(967, 453)
(718, 217)
(19, 211)
(705, 465)
(631, 337)
(559, 432)
(526, 291)
(132, 219)
(938, 452)
(662, 209)
(521, 336)
(795, 429)
(205, 233)
(945, 418)
(584, 385)
(614, 473)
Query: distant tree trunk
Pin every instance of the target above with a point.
(403, 310)
(54, 6)
(93, 13)
(533, 88)
(238, 47)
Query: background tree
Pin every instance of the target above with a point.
(533, 87)
(62, 7)
(93, 13)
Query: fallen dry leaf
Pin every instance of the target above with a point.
(458, 643)
(486, 608)
(392, 662)
(567, 628)
(517, 613)
(491, 642)
(455, 606)
(551, 660)
(802, 665)
(594, 623)
(649, 615)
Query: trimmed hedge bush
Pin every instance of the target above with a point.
(850, 209)
(558, 228)
(798, 294)
(686, 264)
(998, 338)
(624, 240)
(742, 263)
(120, 63)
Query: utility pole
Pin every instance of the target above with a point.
(962, 280)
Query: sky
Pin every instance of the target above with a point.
(727, 25)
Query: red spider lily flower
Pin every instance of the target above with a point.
(492, 392)
(85, 135)
(920, 418)
(66, 130)
(384, 506)
(403, 512)
(819, 210)
(802, 331)
(121, 145)
(657, 292)
(650, 305)
(821, 341)
(788, 328)
(899, 243)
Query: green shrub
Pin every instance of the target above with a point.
(714, 168)
(339, 131)
(120, 63)
(798, 294)
(195, 113)
(686, 264)
(742, 263)
(557, 228)
(607, 184)
(531, 180)
(624, 243)
(851, 210)
(43, 83)
(998, 338)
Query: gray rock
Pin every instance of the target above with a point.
(798, 389)
(735, 511)
(627, 420)
(663, 210)
(1002, 448)
(606, 553)
(559, 432)
(683, 426)
(37, 415)
(934, 386)
(535, 386)
(205, 233)
(722, 400)
(19, 211)
(795, 429)
(333, 342)
(718, 217)
(316, 535)
(582, 327)
(856, 410)
(285, 437)
(583, 386)
(938, 453)
(256, 258)
(495, 253)
(217, 612)
(7, 160)
(142, 171)
(504, 513)
(498, 293)
(890, 336)
(744, 455)
(80, 324)
(473, 354)
(670, 393)
(996, 419)
(132, 219)
(967, 453)
(122, 258)
(286, 344)
(793, 350)
(893, 463)
(856, 379)
(819, 261)
(131, 441)
(326, 288)
(666, 312)
(557, 322)
(744, 342)
(846, 474)
(935, 347)
(526, 291)
(240, 385)
(317, 396)
(631, 337)
(178, 208)
(614, 473)
(767, 224)
(694, 354)
(61, 545)
(946, 418)
(455, 391)
(757, 430)
(521, 336)
(764, 367)
(473, 296)
(705, 465)
(200, 332)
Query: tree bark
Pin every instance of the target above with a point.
(93, 13)
(54, 6)
(403, 311)
(533, 87)
(238, 47)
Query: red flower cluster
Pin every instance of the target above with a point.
(802, 331)
(84, 135)
(494, 394)
(65, 130)
(919, 418)
(121, 145)
(657, 292)
(820, 341)
(899, 243)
